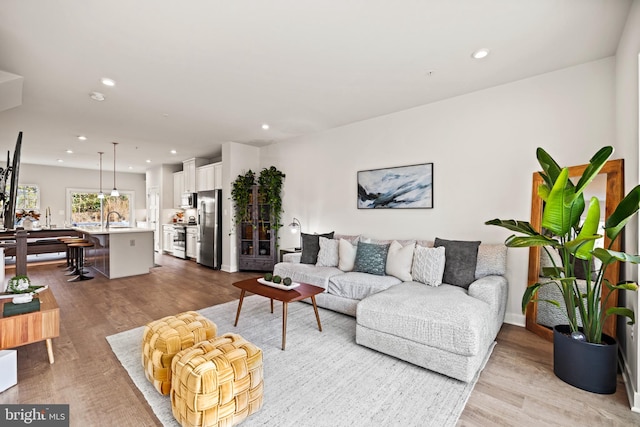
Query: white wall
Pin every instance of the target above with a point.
(627, 87)
(483, 149)
(54, 181)
(236, 160)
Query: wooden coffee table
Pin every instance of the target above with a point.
(28, 328)
(301, 292)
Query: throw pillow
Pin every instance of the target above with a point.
(399, 259)
(428, 265)
(461, 260)
(371, 258)
(350, 238)
(346, 255)
(311, 247)
(328, 254)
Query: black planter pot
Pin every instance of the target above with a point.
(587, 366)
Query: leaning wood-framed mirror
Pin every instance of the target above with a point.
(608, 185)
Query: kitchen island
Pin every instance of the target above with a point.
(119, 251)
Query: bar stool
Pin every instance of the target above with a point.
(78, 248)
(70, 266)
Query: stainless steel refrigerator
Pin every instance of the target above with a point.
(209, 241)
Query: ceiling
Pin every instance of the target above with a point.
(193, 75)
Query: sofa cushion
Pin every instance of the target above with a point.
(492, 260)
(306, 273)
(428, 265)
(328, 254)
(371, 258)
(346, 255)
(357, 285)
(399, 260)
(445, 317)
(311, 247)
(461, 260)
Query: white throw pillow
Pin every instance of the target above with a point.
(346, 255)
(328, 254)
(428, 265)
(399, 259)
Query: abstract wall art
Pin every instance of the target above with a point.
(404, 187)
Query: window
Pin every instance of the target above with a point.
(84, 207)
(28, 197)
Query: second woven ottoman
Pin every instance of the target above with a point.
(217, 382)
(165, 337)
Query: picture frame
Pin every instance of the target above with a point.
(402, 187)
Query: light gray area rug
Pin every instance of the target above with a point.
(322, 378)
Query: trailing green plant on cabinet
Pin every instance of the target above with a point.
(258, 210)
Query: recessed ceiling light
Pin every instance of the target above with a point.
(148, 161)
(130, 167)
(108, 82)
(174, 152)
(82, 138)
(97, 96)
(480, 53)
(69, 151)
(60, 161)
(265, 126)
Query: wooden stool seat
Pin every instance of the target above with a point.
(69, 265)
(78, 249)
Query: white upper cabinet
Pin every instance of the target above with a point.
(189, 169)
(209, 177)
(217, 173)
(178, 188)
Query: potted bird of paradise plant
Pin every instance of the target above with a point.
(584, 356)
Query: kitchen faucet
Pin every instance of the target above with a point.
(119, 217)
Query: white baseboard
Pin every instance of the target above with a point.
(515, 319)
(632, 395)
(227, 268)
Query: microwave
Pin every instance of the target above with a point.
(189, 200)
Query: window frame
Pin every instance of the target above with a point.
(69, 198)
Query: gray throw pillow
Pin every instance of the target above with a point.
(371, 258)
(461, 259)
(311, 247)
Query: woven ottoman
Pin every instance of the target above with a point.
(164, 338)
(217, 382)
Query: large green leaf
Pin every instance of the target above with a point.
(528, 241)
(607, 256)
(514, 225)
(593, 169)
(588, 230)
(543, 191)
(624, 211)
(549, 166)
(622, 311)
(528, 295)
(556, 217)
(623, 286)
(576, 244)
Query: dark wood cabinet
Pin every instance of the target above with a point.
(256, 239)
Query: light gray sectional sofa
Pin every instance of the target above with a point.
(440, 326)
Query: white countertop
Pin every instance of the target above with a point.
(112, 230)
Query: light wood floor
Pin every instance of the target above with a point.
(517, 387)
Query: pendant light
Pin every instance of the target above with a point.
(114, 192)
(101, 194)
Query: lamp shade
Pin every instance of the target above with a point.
(296, 227)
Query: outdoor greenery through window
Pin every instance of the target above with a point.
(28, 197)
(85, 208)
